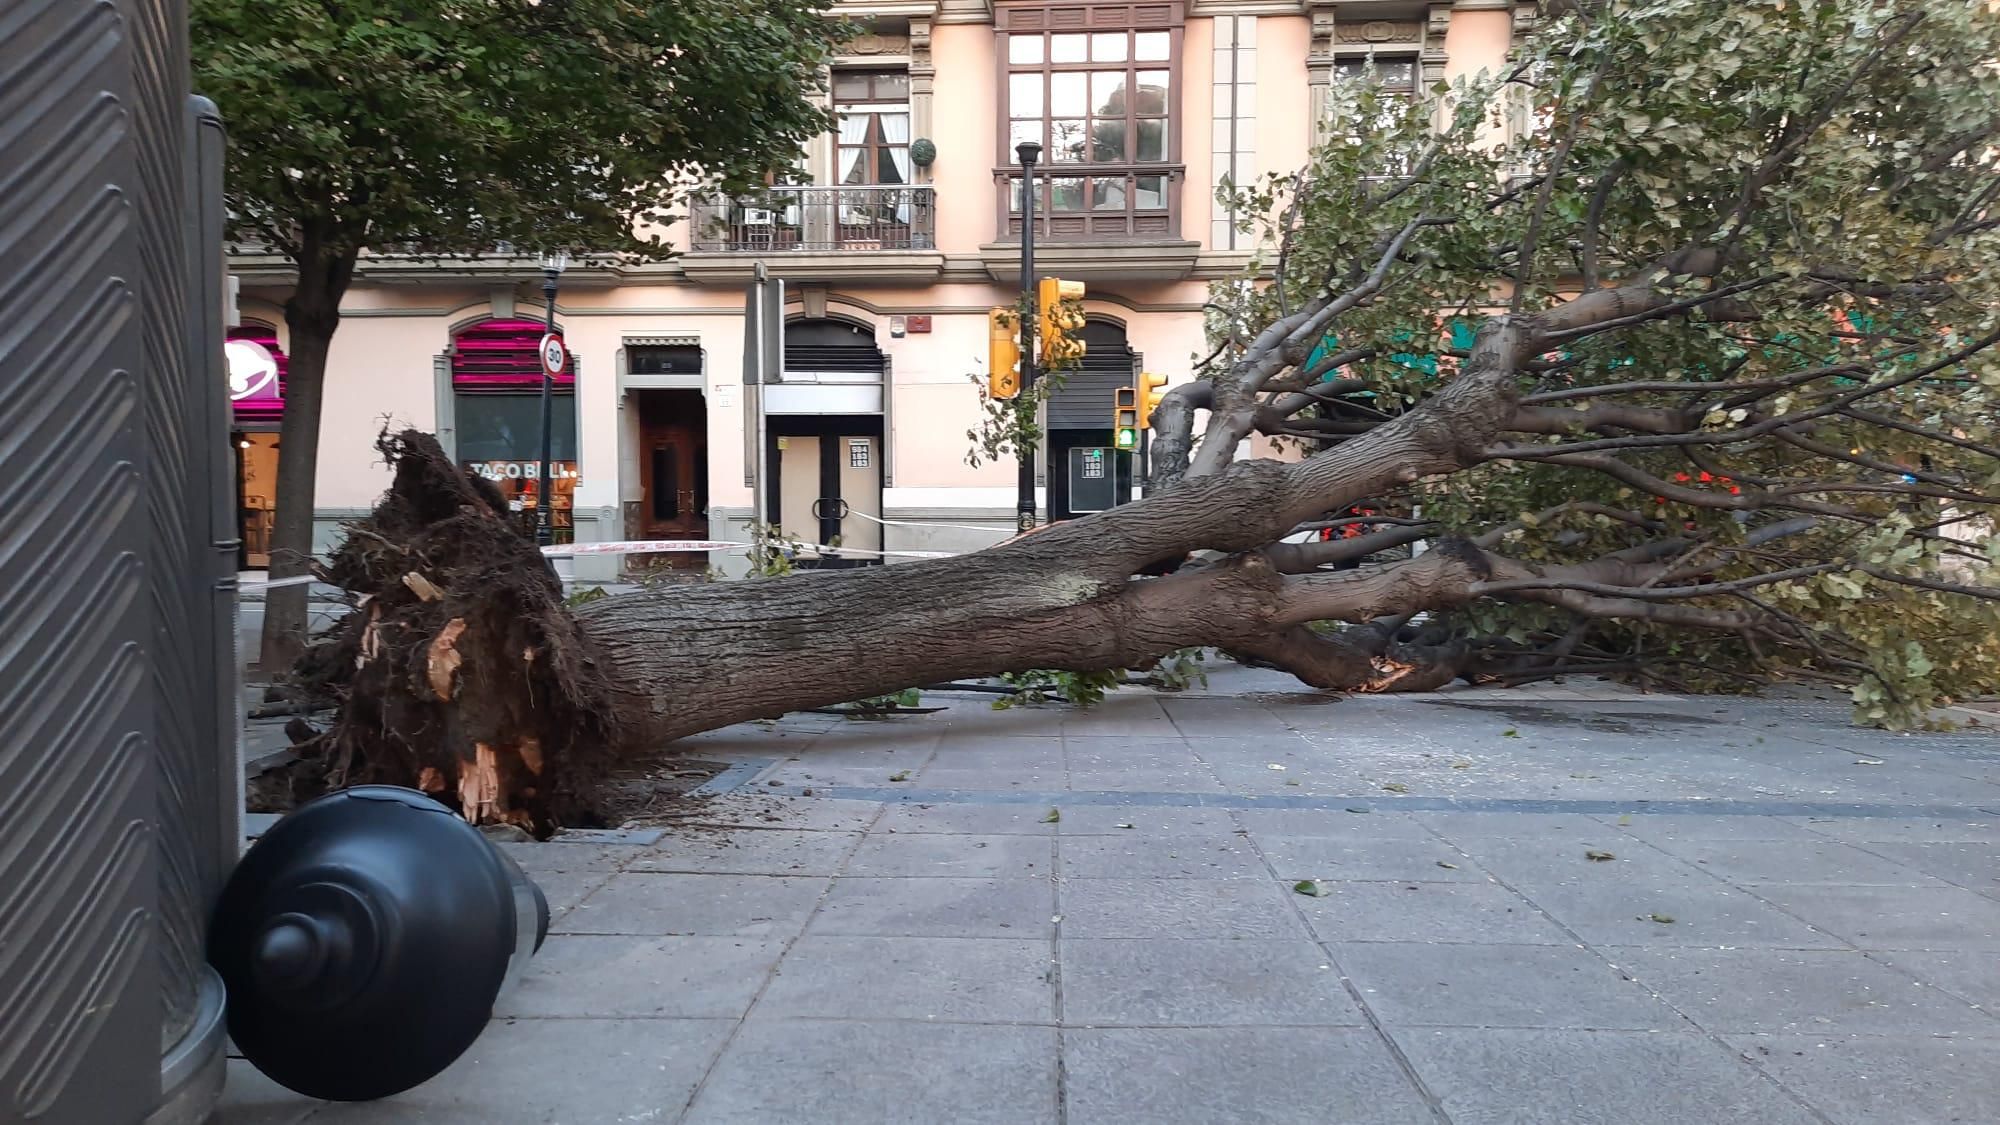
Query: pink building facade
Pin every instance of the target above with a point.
(902, 231)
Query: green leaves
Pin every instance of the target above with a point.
(452, 126)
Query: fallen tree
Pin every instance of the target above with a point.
(1725, 381)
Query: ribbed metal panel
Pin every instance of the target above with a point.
(79, 975)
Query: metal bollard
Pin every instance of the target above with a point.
(364, 939)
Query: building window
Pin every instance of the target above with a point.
(1396, 77)
(874, 110)
(1098, 89)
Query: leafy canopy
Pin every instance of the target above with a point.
(449, 126)
(1834, 366)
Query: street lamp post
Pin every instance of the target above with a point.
(1028, 152)
(545, 532)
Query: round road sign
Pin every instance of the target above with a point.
(553, 354)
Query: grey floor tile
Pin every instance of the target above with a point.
(1145, 820)
(1676, 911)
(1973, 976)
(927, 855)
(753, 906)
(1498, 986)
(1436, 912)
(812, 774)
(1340, 821)
(557, 1072)
(870, 1073)
(1244, 1076)
(748, 851)
(1512, 825)
(249, 1098)
(1215, 855)
(1183, 983)
(1974, 866)
(1536, 1077)
(987, 980)
(1876, 1081)
(1332, 857)
(623, 976)
(1037, 779)
(1129, 753)
(1030, 820)
(1556, 860)
(1005, 908)
(802, 814)
(823, 753)
(1041, 755)
(1947, 918)
(552, 857)
(1891, 829)
(1663, 827)
(1807, 991)
(564, 889)
(1177, 908)
(1143, 779)
(1794, 863)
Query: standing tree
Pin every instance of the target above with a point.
(449, 128)
(1697, 378)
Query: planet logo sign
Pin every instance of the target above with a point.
(253, 372)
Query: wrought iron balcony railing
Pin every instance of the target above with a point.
(818, 220)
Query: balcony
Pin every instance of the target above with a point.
(847, 234)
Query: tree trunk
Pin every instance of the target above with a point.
(312, 315)
(463, 673)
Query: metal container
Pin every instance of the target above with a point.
(119, 784)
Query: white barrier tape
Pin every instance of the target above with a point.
(642, 546)
(669, 546)
(252, 587)
(926, 523)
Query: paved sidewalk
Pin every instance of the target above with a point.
(1566, 904)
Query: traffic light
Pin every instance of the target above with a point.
(1003, 354)
(1125, 420)
(1059, 320)
(1151, 387)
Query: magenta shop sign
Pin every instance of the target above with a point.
(500, 355)
(257, 367)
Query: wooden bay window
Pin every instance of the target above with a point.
(1098, 88)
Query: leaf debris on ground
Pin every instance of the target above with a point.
(1597, 856)
(1310, 887)
(900, 775)
(1054, 817)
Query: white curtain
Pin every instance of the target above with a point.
(896, 133)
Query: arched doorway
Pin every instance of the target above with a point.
(496, 386)
(825, 446)
(256, 366)
(1085, 472)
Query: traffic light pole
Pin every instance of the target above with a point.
(1029, 152)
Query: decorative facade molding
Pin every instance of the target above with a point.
(1378, 31)
(1246, 7)
(964, 11)
(869, 44)
(923, 79)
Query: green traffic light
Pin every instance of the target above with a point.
(1127, 438)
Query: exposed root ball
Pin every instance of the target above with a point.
(460, 671)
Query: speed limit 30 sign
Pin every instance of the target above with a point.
(554, 356)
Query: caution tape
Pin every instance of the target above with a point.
(642, 546)
(672, 546)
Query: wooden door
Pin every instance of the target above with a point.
(673, 474)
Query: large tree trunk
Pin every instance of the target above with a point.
(312, 315)
(464, 674)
